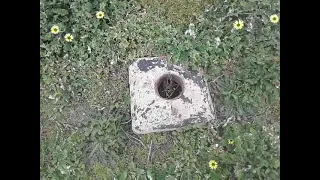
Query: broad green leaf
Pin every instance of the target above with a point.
(123, 175)
(149, 175)
(61, 12)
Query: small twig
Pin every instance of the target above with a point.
(226, 123)
(173, 91)
(93, 151)
(149, 151)
(197, 169)
(133, 138)
(167, 94)
(126, 122)
(217, 78)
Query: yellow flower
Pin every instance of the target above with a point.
(68, 37)
(99, 14)
(230, 141)
(55, 29)
(213, 164)
(274, 18)
(238, 24)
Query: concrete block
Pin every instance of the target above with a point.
(166, 97)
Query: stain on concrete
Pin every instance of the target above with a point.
(137, 128)
(190, 74)
(185, 99)
(170, 126)
(205, 99)
(204, 109)
(173, 68)
(188, 122)
(174, 126)
(133, 116)
(174, 112)
(148, 109)
(146, 65)
(152, 102)
(197, 118)
(145, 112)
(144, 115)
(194, 77)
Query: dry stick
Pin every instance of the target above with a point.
(169, 83)
(197, 169)
(149, 151)
(167, 94)
(133, 138)
(173, 91)
(126, 122)
(216, 78)
(93, 151)
(175, 86)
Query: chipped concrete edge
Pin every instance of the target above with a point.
(154, 131)
(162, 130)
(157, 131)
(211, 104)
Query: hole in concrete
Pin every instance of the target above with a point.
(169, 86)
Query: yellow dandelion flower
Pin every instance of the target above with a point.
(100, 14)
(230, 141)
(68, 37)
(55, 29)
(274, 18)
(238, 24)
(213, 164)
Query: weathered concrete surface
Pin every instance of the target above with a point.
(151, 113)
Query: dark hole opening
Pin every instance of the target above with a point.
(169, 86)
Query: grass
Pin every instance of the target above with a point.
(85, 104)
